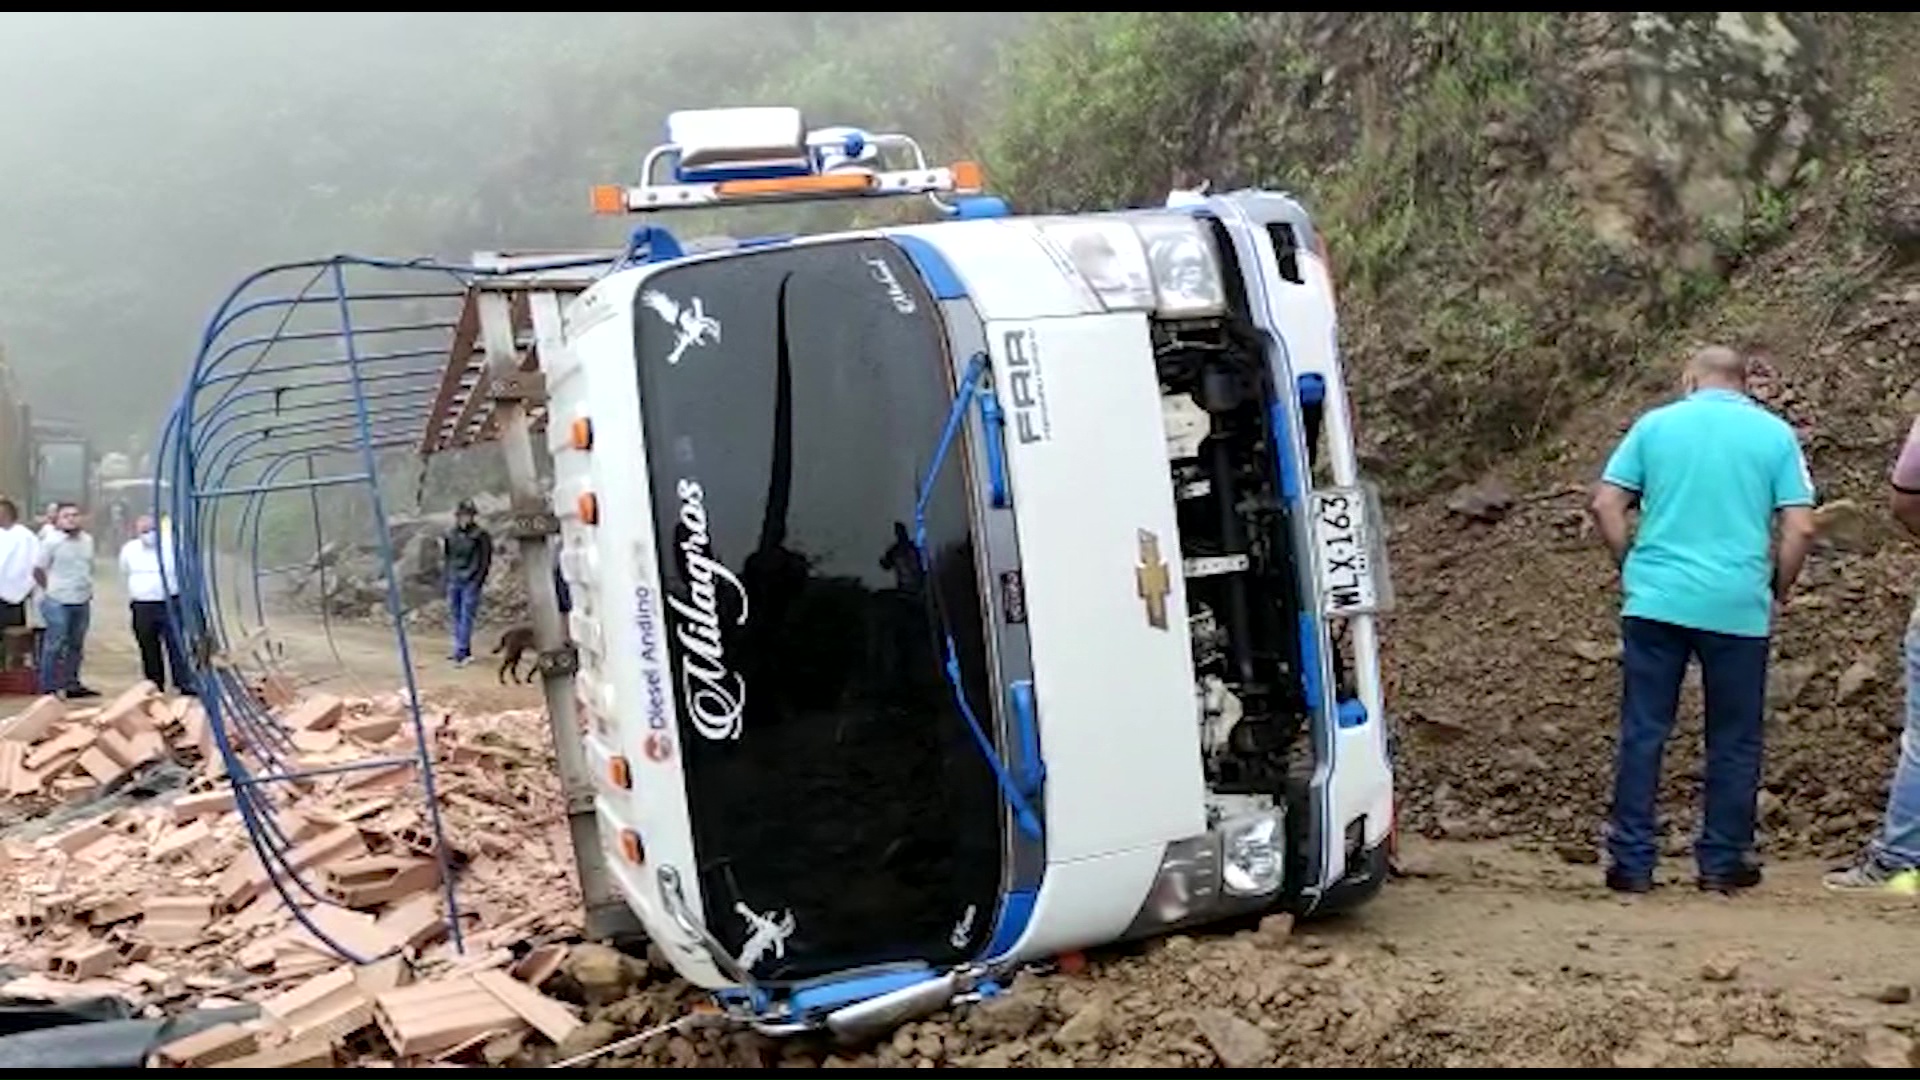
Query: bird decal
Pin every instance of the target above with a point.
(692, 323)
(764, 932)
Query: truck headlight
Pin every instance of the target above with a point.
(1164, 263)
(1184, 265)
(1253, 854)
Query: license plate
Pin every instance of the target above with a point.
(1346, 550)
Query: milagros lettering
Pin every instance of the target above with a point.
(715, 695)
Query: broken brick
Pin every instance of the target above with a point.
(84, 961)
(373, 730)
(221, 1042)
(182, 838)
(540, 964)
(429, 1018)
(275, 691)
(13, 760)
(32, 723)
(313, 1053)
(176, 919)
(193, 728)
(73, 740)
(547, 1016)
(381, 778)
(371, 881)
(317, 713)
(101, 766)
(316, 742)
(106, 912)
(217, 801)
(247, 878)
(128, 712)
(352, 931)
(131, 950)
(21, 780)
(79, 837)
(416, 921)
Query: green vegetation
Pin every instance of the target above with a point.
(1489, 182)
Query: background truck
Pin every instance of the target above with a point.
(42, 460)
(16, 442)
(63, 464)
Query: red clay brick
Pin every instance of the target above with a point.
(32, 723)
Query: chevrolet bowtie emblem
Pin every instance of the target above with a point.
(1152, 581)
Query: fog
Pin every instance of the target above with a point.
(148, 161)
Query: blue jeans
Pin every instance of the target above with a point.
(62, 645)
(1734, 673)
(463, 602)
(1898, 846)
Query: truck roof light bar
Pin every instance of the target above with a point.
(720, 157)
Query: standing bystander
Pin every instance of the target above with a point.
(65, 572)
(467, 553)
(148, 592)
(1711, 473)
(1891, 863)
(19, 549)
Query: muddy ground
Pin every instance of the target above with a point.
(1490, 956)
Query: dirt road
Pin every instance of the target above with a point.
(1488, 954)
(353, 658)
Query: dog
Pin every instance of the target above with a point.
(515, 643)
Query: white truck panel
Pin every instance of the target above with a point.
(1008, 274)
(1089, 902)
(1087, 457)
(630, 712)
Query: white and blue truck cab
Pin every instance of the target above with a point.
(954, 595)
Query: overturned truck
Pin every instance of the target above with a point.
(944, 595)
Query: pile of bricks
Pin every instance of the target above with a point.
(168, 905)
(49, 752)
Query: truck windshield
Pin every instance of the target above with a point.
(842, 813)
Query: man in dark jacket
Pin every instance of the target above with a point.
(467, 553)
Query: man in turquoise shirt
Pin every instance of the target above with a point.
(1710, 473)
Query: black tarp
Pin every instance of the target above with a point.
(94, 1033)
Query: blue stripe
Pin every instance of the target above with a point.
(1015, 913)
(939, 275)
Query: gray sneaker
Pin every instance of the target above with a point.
(1870, 875)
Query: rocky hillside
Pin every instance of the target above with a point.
(1533, 217)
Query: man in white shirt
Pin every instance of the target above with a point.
(19, 549)
(148, 590)
(65, 571)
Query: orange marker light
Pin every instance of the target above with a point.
(589, 507)
(630, 849)
(968, 177)
(618, 772)
(609, 199)
(581, 431)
